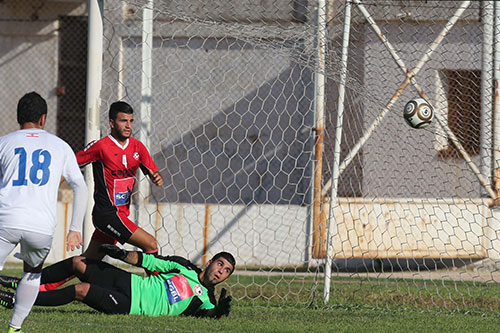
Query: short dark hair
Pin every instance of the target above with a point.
(119, 106)
(228, 256)
(30, 108)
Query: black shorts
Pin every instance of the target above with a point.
(113, 227)
(110, 288)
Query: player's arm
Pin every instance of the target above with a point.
(156, 178)
(80, 198)
(130, 257)
(140, 259)
(148, 166)
(74, 178)
(89, 154)
(222, 308)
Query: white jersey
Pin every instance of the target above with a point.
(32, 162)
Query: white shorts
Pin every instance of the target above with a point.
(34, 246)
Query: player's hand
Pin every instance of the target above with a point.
(73, 240)
(223, 305)
(156, 178)
(113, 251)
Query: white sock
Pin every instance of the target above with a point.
(26, 294)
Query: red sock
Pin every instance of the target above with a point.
(54, 285)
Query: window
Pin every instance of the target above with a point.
(462, 89)
(72, 80)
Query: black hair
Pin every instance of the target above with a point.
(119, 106)
(30, 108)
(228, 256)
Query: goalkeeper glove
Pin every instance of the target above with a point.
(223, 305)
(113, 251)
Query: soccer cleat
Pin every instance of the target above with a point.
(12, 329)
(6, 299)
(9, 281)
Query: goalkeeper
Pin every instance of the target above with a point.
(179, 288)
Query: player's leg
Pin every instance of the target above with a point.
(143, 240)
(104, 287)
(57, 272)
(102, 299)
(74, 266)
(54, 297)
(61, 272)
(146, 242)
(34, 248)
(138, 237)
(7, 244)
(108, 289)
(120, 227)
(102, 274)
(98, 238)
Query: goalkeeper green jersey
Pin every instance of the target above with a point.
(175, 290)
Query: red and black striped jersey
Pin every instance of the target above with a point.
(114, 167)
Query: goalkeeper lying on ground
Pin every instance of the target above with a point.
(178, 288)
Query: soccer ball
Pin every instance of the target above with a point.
(418, 113)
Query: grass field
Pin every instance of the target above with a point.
(256, 310)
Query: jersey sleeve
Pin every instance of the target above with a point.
(147, 164)
(89, 154)
(152, 263)
(73, 176)
(207, 306)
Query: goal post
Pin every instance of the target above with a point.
(336, 150)
(93, 99)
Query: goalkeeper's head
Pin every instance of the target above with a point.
(218, 269)
(228, 256)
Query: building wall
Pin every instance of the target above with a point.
(29, 50)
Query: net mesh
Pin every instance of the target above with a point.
(230, 114)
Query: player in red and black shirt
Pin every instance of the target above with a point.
(115, 160)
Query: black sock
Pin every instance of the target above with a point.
(58, 271)
(56, 297)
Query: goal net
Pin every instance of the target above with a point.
(278, 128)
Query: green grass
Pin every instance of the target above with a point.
(257, 309)
(244, 318)
(365, 292)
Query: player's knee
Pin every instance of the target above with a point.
(81, 290)
(150, 244)
(79, 264)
